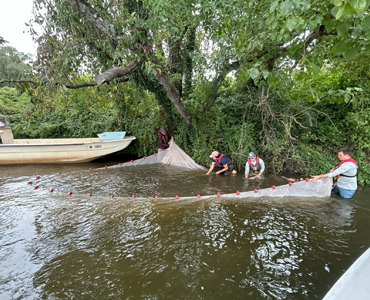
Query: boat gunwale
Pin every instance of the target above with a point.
(129, 138)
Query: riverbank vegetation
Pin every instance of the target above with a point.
(286, 79)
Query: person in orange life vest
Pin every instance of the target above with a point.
(254, 165)
(223, 162)
(346, 171)
(163, 140)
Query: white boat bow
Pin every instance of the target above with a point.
(50, 151)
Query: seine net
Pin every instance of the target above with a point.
(175, 156)
(302, 189)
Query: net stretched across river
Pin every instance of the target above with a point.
(175, 156)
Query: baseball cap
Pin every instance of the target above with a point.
(214, 153)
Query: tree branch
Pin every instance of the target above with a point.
(218, 81)
(93, 16)
(271, 61)
(174, 96)
(87, 11)
(116, 72)
(310, 38)
(75, 87)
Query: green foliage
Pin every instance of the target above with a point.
(341, 93)
(184, 38)
(14, 106)
(85, 113)
(12, 65)
(300, 92)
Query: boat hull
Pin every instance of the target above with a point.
(54, 151)
(354, 283)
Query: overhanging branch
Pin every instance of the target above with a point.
(79, 86)
(218, 81)
(113, 73)
(321, 32)
(173, 95)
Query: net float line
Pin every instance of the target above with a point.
(175, 156)
(303, 189)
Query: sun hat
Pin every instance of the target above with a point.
(252, 155)
(162, 130)
(214, 153)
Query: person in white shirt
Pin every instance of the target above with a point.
(346, 171)
(254, 165)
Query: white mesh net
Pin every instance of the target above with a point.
(175, 156)
(321, 188)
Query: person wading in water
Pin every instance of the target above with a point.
(346, 172)
(164, 140)
(223, 162)
(255, 165)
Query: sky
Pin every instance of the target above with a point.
(13, 15)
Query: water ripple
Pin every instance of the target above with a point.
(55, 246)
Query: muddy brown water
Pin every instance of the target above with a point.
(56, 246)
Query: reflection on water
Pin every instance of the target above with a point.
(55, 246)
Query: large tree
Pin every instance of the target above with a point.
(13, 65)
(164, 44)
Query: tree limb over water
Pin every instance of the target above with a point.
(177, 44)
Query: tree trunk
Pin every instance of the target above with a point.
(190, 47)
(174, 96)
(218, 81)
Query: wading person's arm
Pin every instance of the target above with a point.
(316, 178)
(226, 167)
(337, 171)
(246, 170)
(211, 168)
(262, 164)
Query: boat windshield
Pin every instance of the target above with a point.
(4, 121)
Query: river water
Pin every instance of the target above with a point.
(60, 246)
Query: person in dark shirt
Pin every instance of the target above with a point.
(224, 164)
(164, 139)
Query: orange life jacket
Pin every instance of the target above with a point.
(254, 168)
(344, 161)
(218, 160)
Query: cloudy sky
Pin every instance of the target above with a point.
(13, 15)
